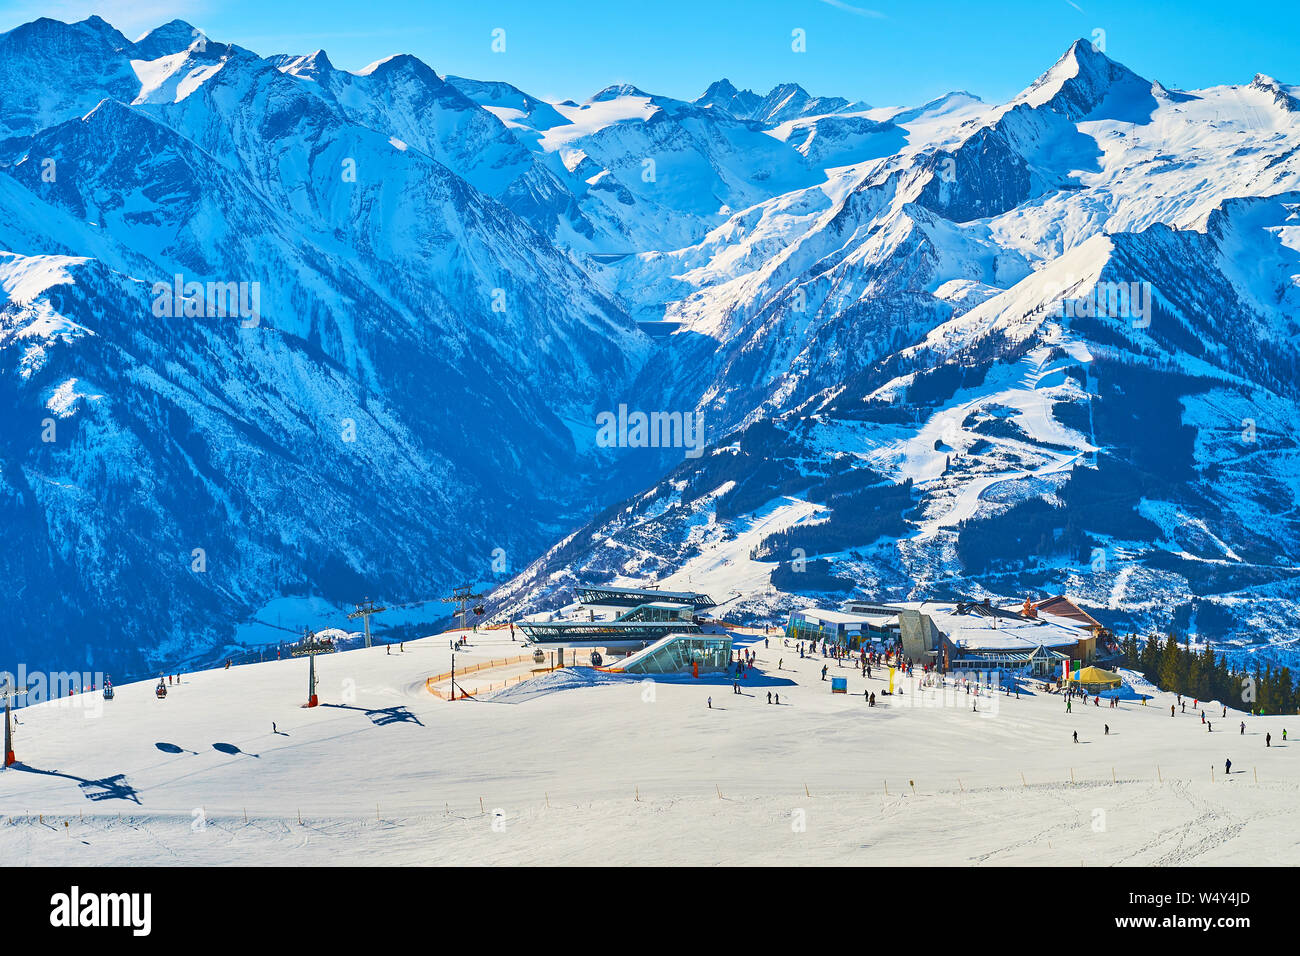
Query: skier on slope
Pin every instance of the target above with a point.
(1268, 740)
(1243, 729)
(1076, 736)
(1227, 766)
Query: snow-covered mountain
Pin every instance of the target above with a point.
(381, 404)
(1044, 346)
(953, 347)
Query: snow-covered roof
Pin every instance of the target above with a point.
(977, 632)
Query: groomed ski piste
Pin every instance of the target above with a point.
(580, 766)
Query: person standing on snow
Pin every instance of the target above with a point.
(1243, 729)
(1268, 740)
(823, 672)
(1076, 736)
(1227, 766)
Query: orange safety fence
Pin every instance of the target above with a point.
(473, 668)
(462, 693)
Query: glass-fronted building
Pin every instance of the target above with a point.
(842, 628)
(680, 653)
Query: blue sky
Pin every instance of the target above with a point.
(887, 53)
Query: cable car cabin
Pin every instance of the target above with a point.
(161, 690)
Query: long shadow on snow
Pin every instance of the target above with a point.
(385, 716)
(232, 750)
(107, 788)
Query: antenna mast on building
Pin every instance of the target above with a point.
(363, 610)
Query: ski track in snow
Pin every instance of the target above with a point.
(384, 772)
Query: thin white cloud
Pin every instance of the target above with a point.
(1077, 7)
(850, 8)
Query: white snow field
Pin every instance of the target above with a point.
(549, 771)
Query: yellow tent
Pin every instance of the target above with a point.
(1094, 678)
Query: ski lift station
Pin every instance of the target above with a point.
(679, 653)
(963, 635)
(660, 631)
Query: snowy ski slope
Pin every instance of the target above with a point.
(550, 771)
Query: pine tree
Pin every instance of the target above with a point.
(1170, 666)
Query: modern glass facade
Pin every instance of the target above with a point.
(679, 653)
(851, 634)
